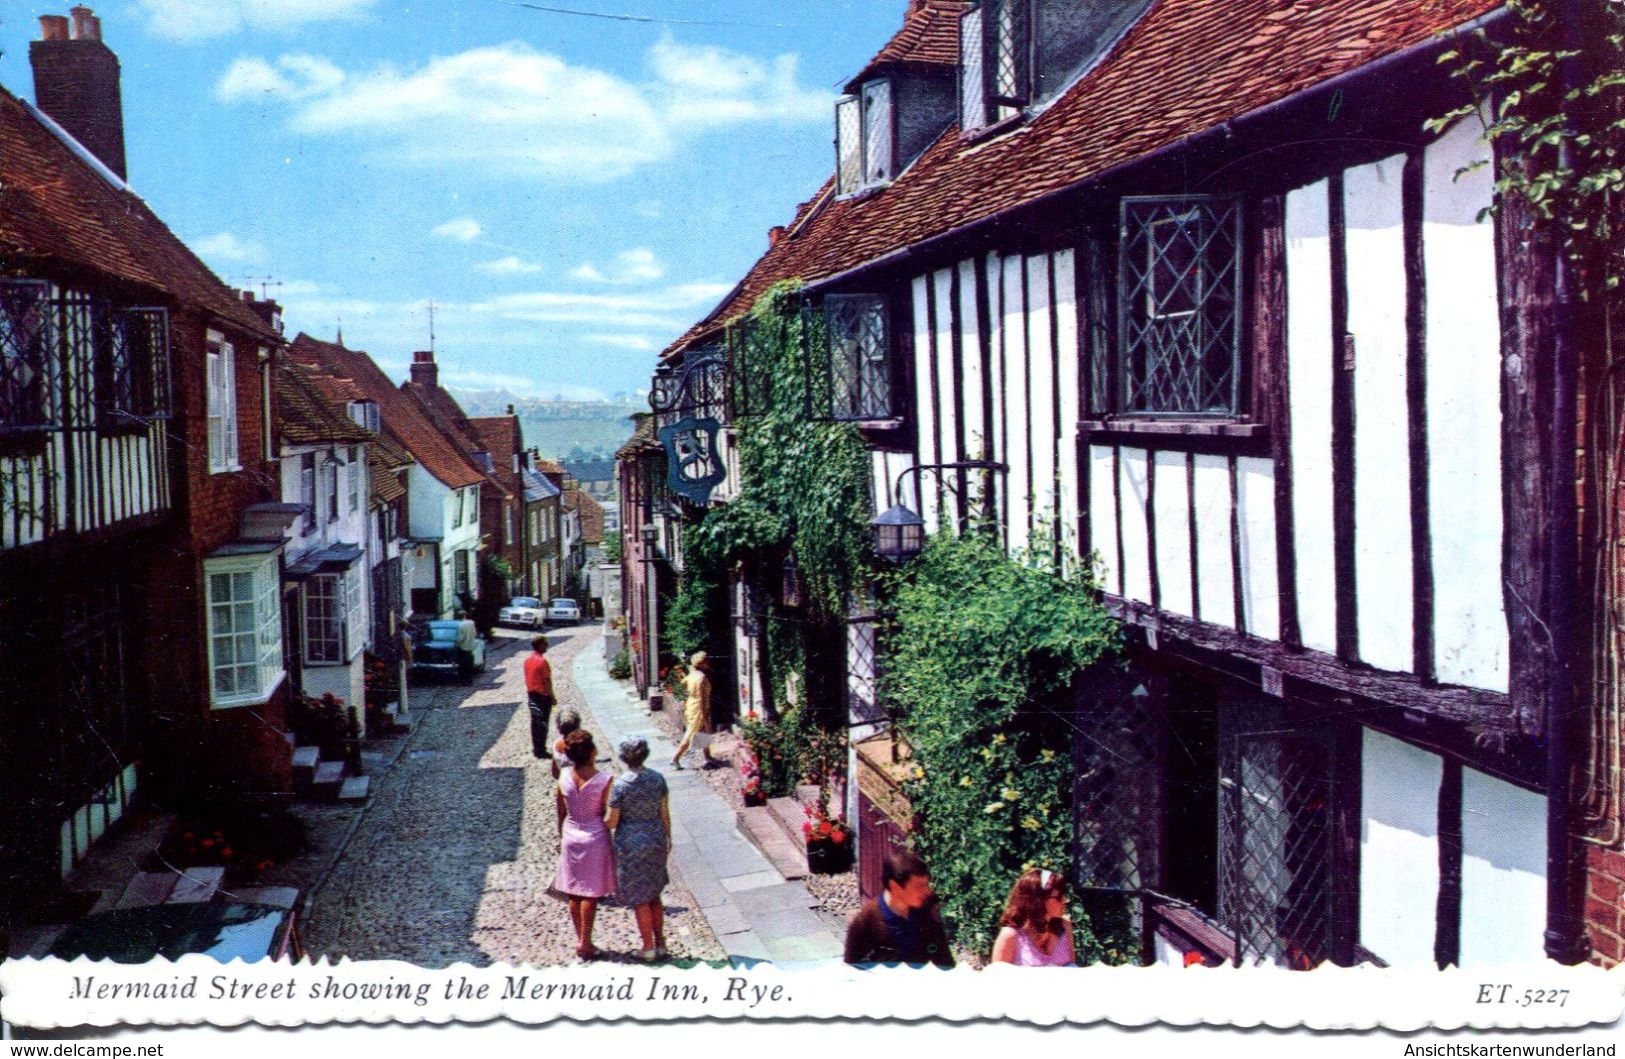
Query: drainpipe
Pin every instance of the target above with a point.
(1566, 940)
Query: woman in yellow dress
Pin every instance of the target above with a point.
(696, 709)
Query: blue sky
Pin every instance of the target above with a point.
(570, 192)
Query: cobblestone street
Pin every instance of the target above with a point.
(452, 860)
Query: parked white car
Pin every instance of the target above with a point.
(527, 612)
(563, 612)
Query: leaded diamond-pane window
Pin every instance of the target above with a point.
(27, 368)
(145, 336)
(865, 138)
(1007, 56)
(1179, 305)
(858, 358)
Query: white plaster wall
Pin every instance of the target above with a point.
(1171, 501)
(993, 276)
(1132, 482)
(1503, 872)
(1382, 479)
(974, 385)
(426, 504)
(1103, 517)
(1041, 388)
(342, 681)
(1399, 849)
(1464, 414)
(1066, 381)
(1216, 577)
(947, 384)
(880, 482)
(1260, 572)
(1018, 418)
(924, 408)
(1309, 369)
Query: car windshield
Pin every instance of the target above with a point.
(524, 601)
(136, 935)
(564, 602)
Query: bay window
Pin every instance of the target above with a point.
(244, 624)
(26, 364)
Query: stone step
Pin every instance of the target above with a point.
(758, 825)
(808, 794)
(276, 896)
(305, 760)
(789, 816)
(197, 885)
(354, 789)
(147, 888)
(328, 780)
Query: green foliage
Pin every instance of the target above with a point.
(499, 566)
(794, 750)
(979, 661)
(620, 667)
(1556, 116)
(804, 484)
(701, 597)
(612, 547)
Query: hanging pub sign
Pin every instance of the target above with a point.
(693, 466)
(689, 406)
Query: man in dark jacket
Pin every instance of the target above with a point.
(902, 926)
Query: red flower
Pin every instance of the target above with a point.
(1194, 958)
(838, 835)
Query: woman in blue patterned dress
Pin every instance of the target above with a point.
(640, 816)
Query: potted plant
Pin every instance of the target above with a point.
(829, 840)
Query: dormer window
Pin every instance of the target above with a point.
(365, 414)
(865, 138)
(1016, 54)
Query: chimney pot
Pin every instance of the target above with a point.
(510, 409)
(53, 27)
(424, 372)
(86, 26)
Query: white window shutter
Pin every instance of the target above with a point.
(972, 95)
(217, 434)
(848, 145)
(228, 403)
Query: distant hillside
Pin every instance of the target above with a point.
(568, 431)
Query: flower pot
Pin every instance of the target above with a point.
(828, 857)
(754, 798)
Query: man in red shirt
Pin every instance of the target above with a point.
(539, 690)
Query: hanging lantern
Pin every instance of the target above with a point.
(899, 534)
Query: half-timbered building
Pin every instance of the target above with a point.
(1217, 313)
(139, 535)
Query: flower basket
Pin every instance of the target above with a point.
(825, 856)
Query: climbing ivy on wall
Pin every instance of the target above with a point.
(804, 497)
(980, 659)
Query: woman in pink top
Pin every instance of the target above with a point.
(586, 853)
(1035, 930)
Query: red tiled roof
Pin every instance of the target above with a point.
(56, 208)
(929, 37)
(1186, 66)
(500, 436)
(304, 416)
(401, 417)
(592, 516)
(446, 414)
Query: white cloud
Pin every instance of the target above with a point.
(224, 246)
(510, 266)
(294, 76)
(513, 109)
(631, 343)
(638, 265)
(668, 309)
(461, 229)
(190, 20)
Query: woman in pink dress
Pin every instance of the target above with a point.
(1035, 930)
(586, 853)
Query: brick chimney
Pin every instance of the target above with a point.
(76, 82)
(424, 372)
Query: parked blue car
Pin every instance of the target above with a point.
(434, 650)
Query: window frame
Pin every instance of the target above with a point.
(354, 466)
(265, 572)
(856, 138)
(1221, 260)
(220, 360)
(864, 363)
(307, 490)
(330, 475)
